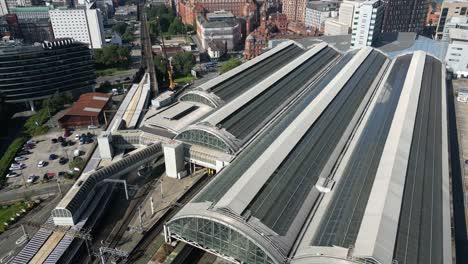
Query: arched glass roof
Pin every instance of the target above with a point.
(208, 137)
(220, 239)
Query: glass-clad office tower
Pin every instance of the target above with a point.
(32, 72)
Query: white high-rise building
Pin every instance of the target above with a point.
(457, 51)
(81, 24)
(367, 23)
(3, 7)
(346, 12)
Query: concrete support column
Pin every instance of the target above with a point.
(174, 160)
(31, 105)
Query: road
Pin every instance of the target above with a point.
(39, 214)
(35, 190)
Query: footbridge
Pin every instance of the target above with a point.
(77, 209)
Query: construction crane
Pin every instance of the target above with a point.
(168, 61)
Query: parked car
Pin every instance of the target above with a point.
(17, 165)
(63, 160)
(20, 158)
(77, 137)
(52, 156)
(60, 139)
(24, 152)
(61, 173)
(49, 175)
(31, 142)
(92, 127)
(13, 174)
(32, 178)
(63, 143)
(66, 133)
(41, 164)
(54, 140)
(17, 168)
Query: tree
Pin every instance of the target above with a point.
(160, 65)
(229, 65)
(127, 37)
(120, 27)
(112, 56)
(176, 27)
(182, 63)
(165, 21)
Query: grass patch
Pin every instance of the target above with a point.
(9, 212)
(8, 157)
(185, 79)
(34, 126)
(111, 71)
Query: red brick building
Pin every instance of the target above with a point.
(295, 10)
(88, 110)
(188, 9)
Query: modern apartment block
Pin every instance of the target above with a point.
(318, 11)
(367, 23)
(450, 8)
(295, 10)
(81, 24)
(404, 15)
(457, 51)
(346, 12)
(334, 28)
(454, 22)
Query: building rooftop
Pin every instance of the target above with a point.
(237, 121)
(355, 130)
(89, 104)
(458, 34)
(323, 5)
(224, 23)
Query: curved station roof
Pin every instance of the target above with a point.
(257, 103)
(354, 169)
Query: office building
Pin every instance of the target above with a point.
(318, 11)
(333, 28)
(454, 22)
(346, 12)
(34, 23)
(226, 31)
(404, 15)
(3, 7)
(295, 10)
(82, 24)
(457, 51)
(449, 9)
(367, 23)
(34, 72)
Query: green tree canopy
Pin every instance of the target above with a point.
(160, 64)
(182, 63)
(229, 65)
(127, 37)
(176, 27)
(112, 56)
(120, 27)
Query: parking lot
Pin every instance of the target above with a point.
(41, 152)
